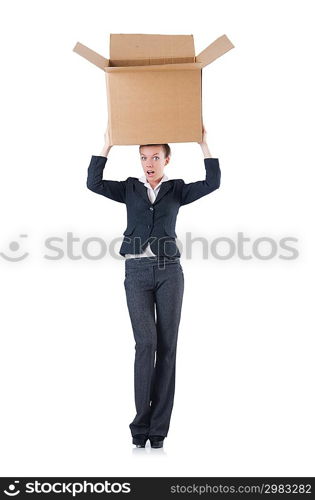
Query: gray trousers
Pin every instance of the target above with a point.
(154, 290)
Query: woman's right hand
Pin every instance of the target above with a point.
(106, 138)
(107, 146)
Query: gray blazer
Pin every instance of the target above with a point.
(148, 222)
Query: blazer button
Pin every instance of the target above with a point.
(149, 227)
(151, 208)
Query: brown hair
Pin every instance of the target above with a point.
(166, 148)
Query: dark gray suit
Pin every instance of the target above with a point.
(154, 285)
(147, 222)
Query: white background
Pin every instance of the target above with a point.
(244, 401)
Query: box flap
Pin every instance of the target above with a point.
(156, 67)
(216, 49)
(91, 56)
(140, 49)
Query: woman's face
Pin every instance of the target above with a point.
(153, 162)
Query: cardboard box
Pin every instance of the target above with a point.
(154, 86)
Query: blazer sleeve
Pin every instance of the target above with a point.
(115, 190)
(195, 190)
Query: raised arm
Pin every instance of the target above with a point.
(195, 190)
(115, 190)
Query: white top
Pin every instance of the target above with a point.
(152, 194)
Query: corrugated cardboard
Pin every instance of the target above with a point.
(154, 86)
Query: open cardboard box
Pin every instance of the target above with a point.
(154, 93)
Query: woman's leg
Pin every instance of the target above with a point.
(140, 300)
(169, 290)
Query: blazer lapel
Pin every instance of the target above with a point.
(165, 186)
(142, 190)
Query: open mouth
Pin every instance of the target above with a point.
(150, 173)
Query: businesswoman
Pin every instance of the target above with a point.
(154, 278)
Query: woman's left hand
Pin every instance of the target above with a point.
(204, 136)
(203, 144)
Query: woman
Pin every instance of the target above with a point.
(154, 279)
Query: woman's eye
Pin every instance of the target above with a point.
(156, 157)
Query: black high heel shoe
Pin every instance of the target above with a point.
(156, 441)
(140, 440)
